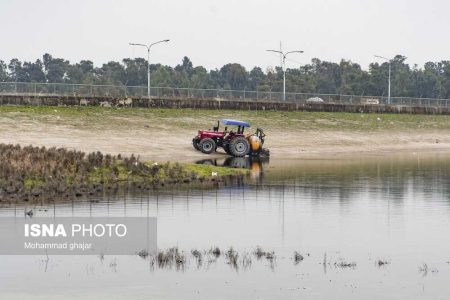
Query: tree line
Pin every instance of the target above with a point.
(346, 77)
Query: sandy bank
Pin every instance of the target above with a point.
(167, 134)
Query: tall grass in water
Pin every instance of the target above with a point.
(28, 172)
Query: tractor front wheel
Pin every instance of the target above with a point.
(239, 146)
(207, 146)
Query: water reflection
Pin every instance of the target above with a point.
(252, 163)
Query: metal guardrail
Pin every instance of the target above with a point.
(86, 90)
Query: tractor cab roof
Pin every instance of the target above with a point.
(235, 122)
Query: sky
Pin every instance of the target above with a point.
(212, 33)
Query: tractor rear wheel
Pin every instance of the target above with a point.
(239, 146)
(207, 146)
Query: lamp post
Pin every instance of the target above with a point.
(389, 77)
(284, 54)
(148, 60)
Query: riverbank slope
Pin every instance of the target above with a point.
(166, 134)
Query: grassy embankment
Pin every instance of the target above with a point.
(194, 119)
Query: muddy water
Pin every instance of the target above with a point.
(355, 210)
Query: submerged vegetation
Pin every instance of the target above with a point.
(173, 258)
(30, 172)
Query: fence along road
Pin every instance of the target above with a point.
(115, 91)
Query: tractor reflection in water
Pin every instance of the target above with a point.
(253, 163)
(235, 143)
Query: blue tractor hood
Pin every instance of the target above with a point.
(234, 122)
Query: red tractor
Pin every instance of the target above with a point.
(235, 143)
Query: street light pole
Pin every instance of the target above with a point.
(284, 54)
(389, 85)
(389, 76)
(148, 59)
(148, 72)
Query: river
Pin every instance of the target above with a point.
(367, 227)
